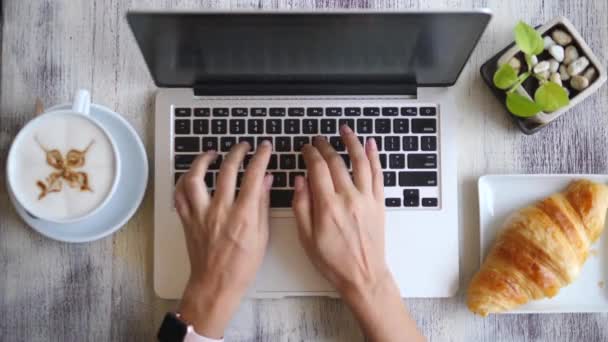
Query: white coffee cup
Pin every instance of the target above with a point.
(63, 166)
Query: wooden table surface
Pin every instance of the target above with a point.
(102, 291)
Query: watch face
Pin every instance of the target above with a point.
(172, 329)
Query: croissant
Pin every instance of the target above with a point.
(541, 249)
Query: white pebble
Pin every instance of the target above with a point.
(557, 52)
(561, 37)
(541, 67)
(553, 65)
(543, 75)
(555, 78)
(570, 54)
(533, 60)
(563, 72)
(590, 74)
(548, 42)
(578, 66)
(515, 64)
(579, 82)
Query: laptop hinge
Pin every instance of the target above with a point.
(299, 88)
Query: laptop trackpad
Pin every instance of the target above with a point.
(286, 269)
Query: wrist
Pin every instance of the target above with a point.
(208, 308)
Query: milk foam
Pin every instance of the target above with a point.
(28, 165)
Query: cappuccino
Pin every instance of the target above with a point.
(62, 167)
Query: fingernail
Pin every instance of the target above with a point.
(268, 181)
(299, 183)
(266, 142)
(371, 143)
(345, 129)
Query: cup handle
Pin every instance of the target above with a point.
(82, 102)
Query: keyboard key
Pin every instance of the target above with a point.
(361, 141)
(255, 126)
(187, 144)
(429, 202)
(237, 126)
(383, 125)
(226, 143)
(217, 163)
(364, 126)
(310, 126)
(279, 179)
(273, 163)
(348, 122)
(392, 202)
(411, 197)
(424, 126)
(201, 126)
(409, 111)
(292, 178)
(282, 144)
(258, 111)
(240, 112)
(422, 161)
(383, 163)
(390, 178)
(273, 126)
(177, 175)
(371, 111)
(417, 178)
(220, 112)
(219, 126)
(428, 143)
(336, 143)
(392, 144)
(183, 111)
(396, 161)
(276, 111)
(182, 127)
(301, 162)
(333, 111)
(428, 111)
(247, 160)
(346, 159)
(292, 126)
(260, 139)
(352, 111)
(299, 142)
(410, 143)
(281, 198)
(400, 126)
(183, 161)
(288, 161)
(314, 111)
(209, 179)
(210, 143)
(250, 140)
(328, 126)
(295, 111)
(202, 112)
(390, 111)
(378, 142)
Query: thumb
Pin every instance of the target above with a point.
(302, 209)
(264, 208)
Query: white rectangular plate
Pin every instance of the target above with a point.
(501, 195)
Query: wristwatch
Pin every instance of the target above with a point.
(175, 329)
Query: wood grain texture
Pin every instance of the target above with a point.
(102, 291)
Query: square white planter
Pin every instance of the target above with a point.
(543, 118)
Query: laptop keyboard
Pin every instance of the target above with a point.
(407, 139)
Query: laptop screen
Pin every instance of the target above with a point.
(424, 49)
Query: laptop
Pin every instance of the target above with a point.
(229, 77)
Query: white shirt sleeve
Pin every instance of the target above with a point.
(192, 336)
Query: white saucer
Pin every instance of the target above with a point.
(125, 201)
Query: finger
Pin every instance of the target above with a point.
(371, 149)
(360, 165)
(264, 207)
(194, 181)
(226, 178)
(181, 202)
(302, 209)
(319, 178)
(252, 186)
(337, 168)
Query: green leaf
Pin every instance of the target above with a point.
(551, 97)
(521, 106)
(505, 76)
(528, 39)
